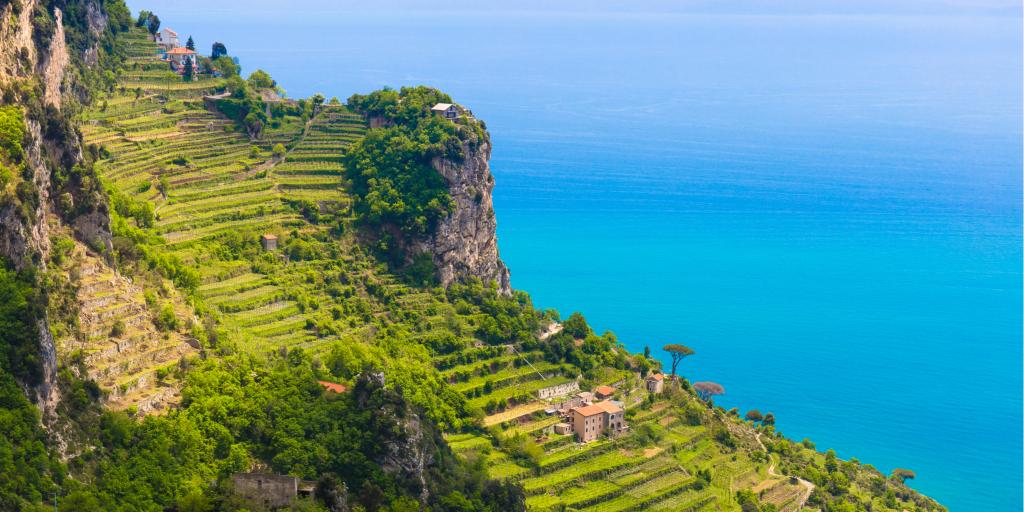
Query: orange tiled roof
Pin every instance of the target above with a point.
(604, 390)
(656, 376)
(608, 407)
(181, 50)
(589, 410)
(331, 386)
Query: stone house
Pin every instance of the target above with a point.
(271, 491)
(655, 383)
(563, 428)
(269, 242)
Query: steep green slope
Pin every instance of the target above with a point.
(221, 342)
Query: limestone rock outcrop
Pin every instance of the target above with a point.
(465, 243)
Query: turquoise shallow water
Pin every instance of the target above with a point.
(826, 207)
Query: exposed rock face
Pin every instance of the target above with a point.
(56, 62)
(25, 231)
(17, 50)
(466, 242)
(409, 454)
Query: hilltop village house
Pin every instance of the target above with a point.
(590, 421)
(166, 39)
(177, 57)
(655, 383)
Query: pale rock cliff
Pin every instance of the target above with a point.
(465, 242)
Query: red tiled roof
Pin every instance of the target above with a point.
(656, 376)
(604, 390)
(181, 50)
(334, 387)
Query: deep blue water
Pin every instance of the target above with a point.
(825, 206)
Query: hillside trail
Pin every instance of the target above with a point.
(808, 486)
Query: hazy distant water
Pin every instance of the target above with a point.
(827, 208)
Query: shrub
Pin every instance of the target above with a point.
(117, 329)
(166, 320)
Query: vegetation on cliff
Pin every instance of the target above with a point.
(397, 191)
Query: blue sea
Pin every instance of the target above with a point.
(823, 199)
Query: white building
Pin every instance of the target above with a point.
(167, 39)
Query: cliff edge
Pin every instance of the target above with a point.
(465, 243)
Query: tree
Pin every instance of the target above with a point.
(902, 475)
(279, 151)
(576, 326)
(707, 390)
(143, 20)
(154, 24)
(189, 73)
(317, 101)
(163, 186)
(754, 415)
(227, 66)
(218, 50)
(190, 44)
(647, 352)
(678, 353)
(260, 79)
(80, 501)
(769, 419)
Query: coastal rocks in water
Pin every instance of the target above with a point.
(465, 242)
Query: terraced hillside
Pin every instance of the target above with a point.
(206, 179)
(661, 472)
(194, 195)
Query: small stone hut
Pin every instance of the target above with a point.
(269, 242)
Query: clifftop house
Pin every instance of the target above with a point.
(446, 110)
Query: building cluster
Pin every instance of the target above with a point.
(592, 414)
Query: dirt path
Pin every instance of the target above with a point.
(808, 486)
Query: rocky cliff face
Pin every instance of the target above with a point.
(466, 242)
(25, 228)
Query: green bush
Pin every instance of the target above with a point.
(166, 320)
